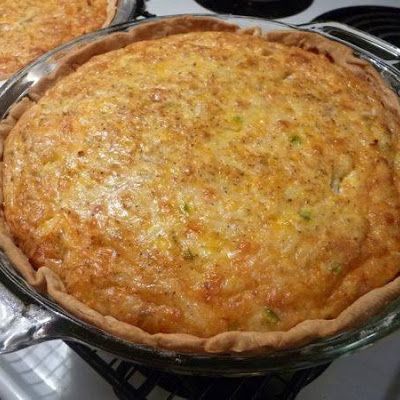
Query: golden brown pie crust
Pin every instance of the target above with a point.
(46, 281)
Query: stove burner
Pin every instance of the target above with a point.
(257, 8)
(383, 22)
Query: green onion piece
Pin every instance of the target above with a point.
(236, 123)
(335, 267)
(305, 214)
(185, 208)
(296, 140)
(237, 119)
(270, 316)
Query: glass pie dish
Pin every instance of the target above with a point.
(27, 317)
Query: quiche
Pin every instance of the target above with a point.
(199, 187)
(29, 28)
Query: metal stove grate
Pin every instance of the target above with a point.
(380, 21)
(133, 382)
(257, 8)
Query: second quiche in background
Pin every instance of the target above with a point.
(29, 28)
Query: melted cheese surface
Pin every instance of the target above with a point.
(207, 182)
(29, 28)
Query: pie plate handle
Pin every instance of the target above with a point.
(358, 40)
(22, 324)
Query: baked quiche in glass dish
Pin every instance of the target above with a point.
(195, 186)
(29, 28)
